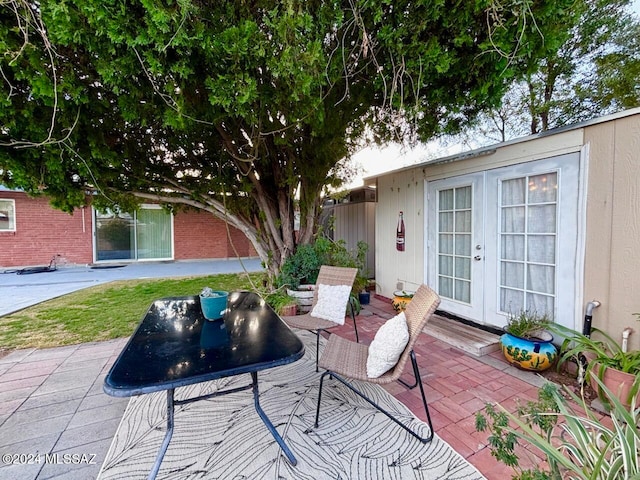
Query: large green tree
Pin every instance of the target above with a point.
(595, 72)
(245, 109)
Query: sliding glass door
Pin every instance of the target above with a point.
(144, 235)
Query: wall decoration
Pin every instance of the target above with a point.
(400, 234)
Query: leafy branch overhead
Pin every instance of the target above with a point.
(247, 110)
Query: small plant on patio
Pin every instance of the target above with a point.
(528, 325)
(571, 437)
(281, 302)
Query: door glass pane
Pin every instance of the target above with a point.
(463, 198)
(513, 220)
(115, 236)
(446, 222)
(511, 301)
(463, 291)
(454, 251)
(446, 243)
(446, 200)
(446, 265)
(543, 188)
(512, 247)
(463, 245)
(528, 224)
(445, 286)
(154, 233)
(513, 192)
(512, 274)
(541, 248)
(541, 219)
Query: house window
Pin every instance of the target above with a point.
(7, 215)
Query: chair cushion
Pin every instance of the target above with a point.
(332, 303)
(387, 346)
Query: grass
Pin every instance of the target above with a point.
(103, 312)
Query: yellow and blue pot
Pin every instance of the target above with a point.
(401, 299)
(535, 354)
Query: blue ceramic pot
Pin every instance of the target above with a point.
(213, 306)
(529, 354)
(364, 298)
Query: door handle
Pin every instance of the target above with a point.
(477, 258)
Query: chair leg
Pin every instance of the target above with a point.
(416, 372)
(318, 347)
(353, 317)
(320, 396)
(415, 384)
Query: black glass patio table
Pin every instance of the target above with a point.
(175, 346)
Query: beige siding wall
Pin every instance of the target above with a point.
(355, 222)
(612, 260)
(403, 191)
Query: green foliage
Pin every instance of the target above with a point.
(304, 265)
(601, 350)
(278, 299)
(571, 437)
(527, 325)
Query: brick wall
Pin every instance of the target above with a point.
(199, 234)
(42, 232)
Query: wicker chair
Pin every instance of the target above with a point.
(328, 275)
(344, 359)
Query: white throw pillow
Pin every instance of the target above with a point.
(387, 346)
(332, 303)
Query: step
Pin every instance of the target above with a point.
(465, 337)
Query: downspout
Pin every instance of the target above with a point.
(588, 316)
(625, 338)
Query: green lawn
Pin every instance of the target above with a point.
(103, 312)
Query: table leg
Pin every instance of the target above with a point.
(167, 436)
(267, 422)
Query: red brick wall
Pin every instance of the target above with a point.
(42, 232)
(199, 234)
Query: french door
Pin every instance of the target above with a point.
(505, 240)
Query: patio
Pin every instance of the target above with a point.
(52, 400)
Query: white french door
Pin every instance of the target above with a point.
(512, 247)
(455, 242)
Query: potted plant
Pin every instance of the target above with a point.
(401, 299)
(299, 272)
(526, 342)
(603, 358)
(282, 303)
(575, 442)
(213, 303)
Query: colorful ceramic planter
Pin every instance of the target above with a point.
(529, 354)
(401, 299)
